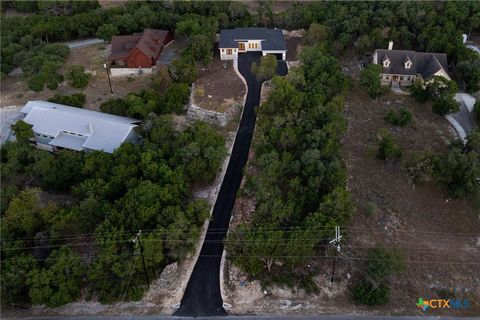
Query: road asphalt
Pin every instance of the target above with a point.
(202, 296)
(253, 317)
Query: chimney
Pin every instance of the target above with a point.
(390, 45)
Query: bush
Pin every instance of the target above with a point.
(401, 119)
(373, 288)
(106, 32)
(23, 131)
(116, 106)
(175, 98)
(476, 112)
(75, 100)
(370, 80)
(420, 168)
(365, 292)
(445, 106)
(387, 148)
(418, 91)
(371, 208)
(183, 70)
(77, 76)
(267, 67)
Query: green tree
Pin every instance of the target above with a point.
(370, 80)
(175, 99)
(316, 33)
(61, 280)
(23, 216)
(266, 69)
(373, 288)
(116, 106)
(476, 112)
(183, 70)
(23, 131)
(106, 32)
(77, 76)
(200, 48)
(401, 119)
(14, 272)
(75, 100)
(387, 148)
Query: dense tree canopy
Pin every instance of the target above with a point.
(297, 178)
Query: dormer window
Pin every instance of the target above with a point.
(407, 62)
(385, 61)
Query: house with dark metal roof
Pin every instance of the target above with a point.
(239, 40)
(403, 67)
(140, 50)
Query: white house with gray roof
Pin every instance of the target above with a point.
(403, 67)
(57, 126)
(239, 40)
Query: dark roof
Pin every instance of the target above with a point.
(150, 42)
(423, 63)
(272, 38)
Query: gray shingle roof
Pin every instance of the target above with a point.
(423, 63)
(272, 38)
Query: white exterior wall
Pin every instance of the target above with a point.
(283, 52)
(442, 73)
(122, 72)
(225, 56)
(253, 42)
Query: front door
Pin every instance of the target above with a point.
(394, 78)
(241, 46)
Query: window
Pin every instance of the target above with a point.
(229, 51)
(408, 64)
(387, 77)
(223, 50)
(386, 63)
(401, 78)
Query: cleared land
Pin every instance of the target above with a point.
(218, 87)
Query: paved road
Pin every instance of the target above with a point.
(82, 43)
(319, 317)
(202, 296)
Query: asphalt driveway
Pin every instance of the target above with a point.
(202, 296)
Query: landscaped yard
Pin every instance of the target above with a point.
(218, 88)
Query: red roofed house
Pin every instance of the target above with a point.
(140, 50)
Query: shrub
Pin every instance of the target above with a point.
(365, 292)
(116, 106)
(77, 76)
(183, 70)
(387, 148)
(76, 99)
(476, 112)
(401, 119)
(420, 167)
(371, 208)
(175, 98)
(444, 106)
(370, 80)
(267, 67)
(23, 131)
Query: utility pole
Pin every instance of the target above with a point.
(108, 75)
(136, 240)
(336, 244)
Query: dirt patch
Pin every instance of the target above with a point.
(15, 90)
(294, 47)
(438, 235)
(218, 87)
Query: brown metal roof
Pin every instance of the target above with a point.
(150, 42)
